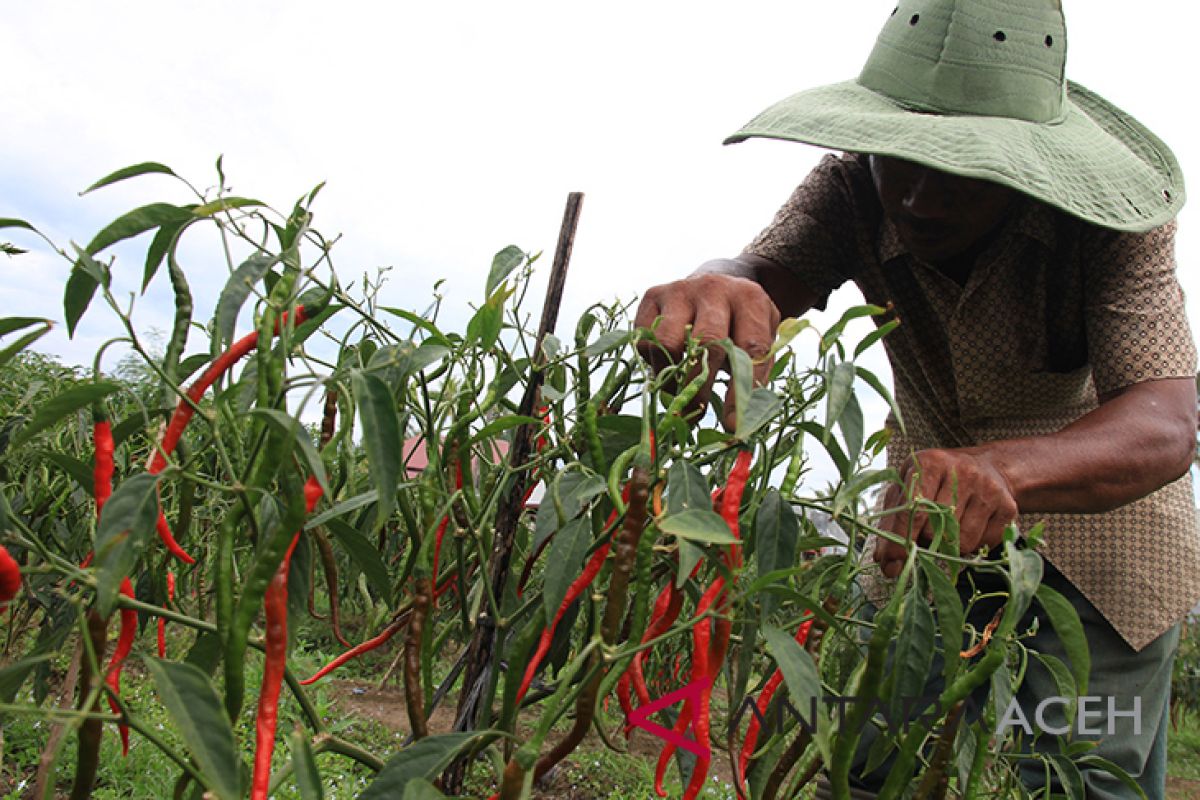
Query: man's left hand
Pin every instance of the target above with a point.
(965, 479)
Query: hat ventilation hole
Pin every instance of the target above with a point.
(1049, 40)
(914, 19)
(999, 36)
(1167, 195)
(894, 10)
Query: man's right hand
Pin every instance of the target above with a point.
(723, 299)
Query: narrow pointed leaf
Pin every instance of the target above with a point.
(10, 222)
(563, 562)
(137, 222)
(799, 671)
(125, 529)
(364, 555)
(503, 264)
(381, 437)
(77, 296)
(59, 406)
(145, 168)
(201, 721)
(8, 353)
(698, 525)
(289, 425)
(225, 204)
(236, 290)
(1065, 620)
(776, 532)
(304, 765)
(423, 759)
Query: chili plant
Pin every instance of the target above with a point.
(697, 575)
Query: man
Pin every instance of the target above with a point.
(1022, 229)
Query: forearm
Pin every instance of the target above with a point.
(1131, 445)
(790, 295)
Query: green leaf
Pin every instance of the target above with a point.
(875, 335)
(381, 437)
(686, 488)
(342, 508)
(913, 655)
(418, 322)
(799, 671)
(873, 381)
(839, 382)
(500, 425)
(234, 295)
(698, 525)
(567, 551)
(11, 222)
(853, 313)
(741, 371)
(764, 405)
(160, 245)
(503, 264)
(125, 528)
(76, 469)
(145, 168)
(287, 424)
(8, 353)
(224, 204)
(1063, 682)
(950, 616)
(77, 296)
(364, 555)
(1068, 776)
(304, 765)
(422, 759)
(12, 676)
(572, 490)
(607, 341)
(137, 222)
(776, 532)
(788, 330)
(10, 324)
(484, 327)
(852, 490)
(1112, 769)
(63, 404)
(200, 718)
(851, 424)
(1065, 620)
(1024, 576)
(689, 557)
(421, 789)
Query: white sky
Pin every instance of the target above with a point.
(446, 131)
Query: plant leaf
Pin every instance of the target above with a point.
(381, 437)
(567, 550)
(686, 488)
(136, 222)
(234, 294)
(698, 525)
(10, 352)
(503, 264)
(1065, 620)
(762, 407)
(914, 649)
(125, 528)
(287, 424)
(224, 204)
(62, 404)
(304, 765)
(776, 532)
(145, 168)
(799, 671)
(422, 759)
(77, 296)
(76, 469)
(200, 718)
(342, 508)
(364, 555)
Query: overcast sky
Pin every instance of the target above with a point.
(446, 131)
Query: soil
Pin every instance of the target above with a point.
(1183, 789)
(387, 707)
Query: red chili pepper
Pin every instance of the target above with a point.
(185, 410)
(10, 578)
(441, 531)
(666, 610)
(162, 623)
(590, 571)
(117, 661)
(356, 651)
(731, 502)
(102, 472)
(764, 702)
(275, 648)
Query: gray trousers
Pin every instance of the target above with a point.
(1135, 686)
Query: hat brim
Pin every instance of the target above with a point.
(1095, 162)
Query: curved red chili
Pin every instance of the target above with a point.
(764, 702)
(356, 651)
(275, 662)
(117, 661)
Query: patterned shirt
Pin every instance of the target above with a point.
(1054, 312)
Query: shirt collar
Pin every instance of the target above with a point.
(1031, 219)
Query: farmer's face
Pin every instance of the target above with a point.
(938, 215)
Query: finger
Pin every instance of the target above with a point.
(674, 312)
(887, 550)
(712, 323)
(753, 330)
(892, 568)
(973, 525)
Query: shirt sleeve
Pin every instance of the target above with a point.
(814, 233)
(1137, 326)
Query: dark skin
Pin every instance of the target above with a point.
(1137, 440)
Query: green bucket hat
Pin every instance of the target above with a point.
(977, 88)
